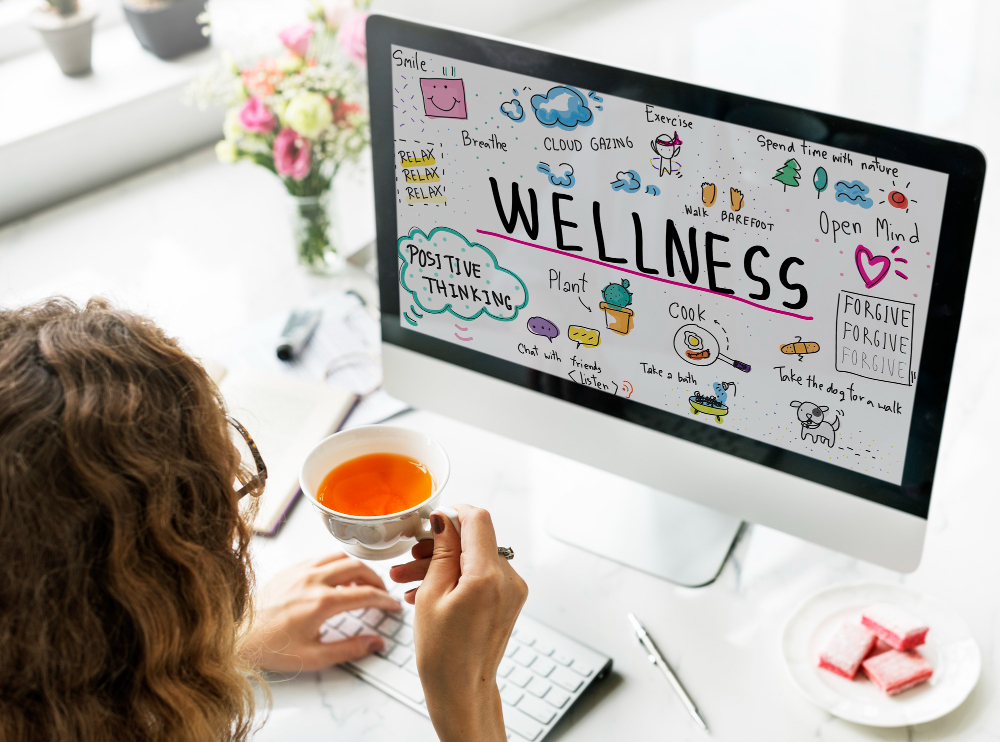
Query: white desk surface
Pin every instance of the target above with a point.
(205, 250)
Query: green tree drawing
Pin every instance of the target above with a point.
(788, 174)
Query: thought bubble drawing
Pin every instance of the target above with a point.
(627, 180)
(541, 326)
(563, 178)
(584, 336)
(444, 97)
(513, 110)
(562, 106)
(853, 193)
(444, 272)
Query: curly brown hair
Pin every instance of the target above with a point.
(124, 569)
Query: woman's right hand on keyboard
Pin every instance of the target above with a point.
(466, 607)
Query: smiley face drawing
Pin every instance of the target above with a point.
(444, 97)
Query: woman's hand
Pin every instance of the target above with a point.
(292, 607)
(465, 613)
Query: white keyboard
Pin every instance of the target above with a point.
(542, 674)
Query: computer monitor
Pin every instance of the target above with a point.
(748, 305)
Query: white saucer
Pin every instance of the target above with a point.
(950, 649)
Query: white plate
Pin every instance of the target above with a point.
(950, 649)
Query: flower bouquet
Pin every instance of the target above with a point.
(301, 115)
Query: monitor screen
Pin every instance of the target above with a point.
(752, 289)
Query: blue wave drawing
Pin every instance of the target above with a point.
(853, 193)
(627, 180)
(563, 179)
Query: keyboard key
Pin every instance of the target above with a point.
(350, 626)
(562, 658)
(372, 617)
(543, 666)
(557, 697)
(581, 669)
(336, 620)
(536, 709)
(505, 667)
(543, 648)
(404, 636)
(393, 676)
(400, 655)
(524, 657)
(525, 639)
(511, 649)
(407, 615)
(511, 695)
(411, 666)
(566, 678)
(520, 724)
(389, 626)
(329, 635)
(538, 687)
(357, 612)
(389, 646)
(520, 677)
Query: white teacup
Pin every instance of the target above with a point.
(376, 536)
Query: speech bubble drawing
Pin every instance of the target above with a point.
(584, 336)
(541, 326)
(444, 272)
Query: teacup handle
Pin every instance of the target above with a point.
(425, 533)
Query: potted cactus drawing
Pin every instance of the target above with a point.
(617, 315)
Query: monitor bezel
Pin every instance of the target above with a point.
(964, 165)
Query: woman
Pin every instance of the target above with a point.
(125, 578)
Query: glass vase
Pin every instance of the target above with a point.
(314, 235)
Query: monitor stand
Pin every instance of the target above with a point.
(663, 535)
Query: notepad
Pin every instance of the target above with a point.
(286, 416)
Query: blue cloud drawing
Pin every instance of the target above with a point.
(653, 190)
(562, 106)
(628, 181)
(564, 178)
(852, 193)
(513, 110)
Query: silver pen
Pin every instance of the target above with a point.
(657, 659)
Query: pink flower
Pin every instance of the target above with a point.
(256, 118)
(296, 38)
(352, 38)
(262, 77)
(292, 154)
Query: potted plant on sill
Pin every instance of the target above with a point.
(168, 28)
(68, 32)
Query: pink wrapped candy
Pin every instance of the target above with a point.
(893, 672)
(896, 626)
(846, 650)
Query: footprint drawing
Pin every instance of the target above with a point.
(708, 194)
(735, 199)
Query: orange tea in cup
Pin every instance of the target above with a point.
(375, 484)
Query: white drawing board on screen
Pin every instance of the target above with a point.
(743, 279)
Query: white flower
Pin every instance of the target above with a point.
(227, 152)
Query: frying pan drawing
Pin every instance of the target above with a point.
(698, 346)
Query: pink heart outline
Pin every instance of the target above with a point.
(872, 260)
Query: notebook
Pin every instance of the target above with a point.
(287, 416)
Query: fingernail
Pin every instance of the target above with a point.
(410, 592)
(437, 524)
(394, 567)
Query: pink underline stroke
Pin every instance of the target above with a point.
(644, 275)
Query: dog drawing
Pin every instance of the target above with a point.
(814, 425)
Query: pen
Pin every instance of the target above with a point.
(657, 659)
